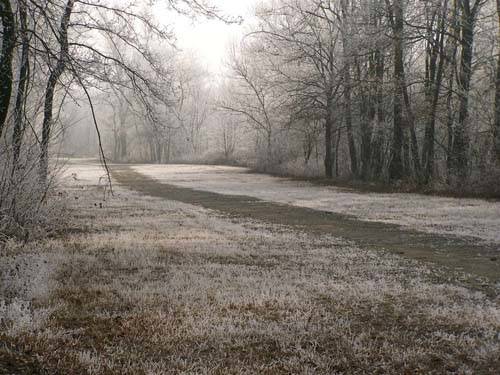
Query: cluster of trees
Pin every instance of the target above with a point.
(58, 54)
(168, 126)
(381, 89)
(378, 90)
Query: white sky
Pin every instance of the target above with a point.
(209, 39)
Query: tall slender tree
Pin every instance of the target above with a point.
(24, 71)
(6, 55)
(496, 129)
(55, 75)
(460, 148)
(435, 65)
(396, 18)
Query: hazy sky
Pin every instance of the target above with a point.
(209, 38)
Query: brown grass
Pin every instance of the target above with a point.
(157, 287)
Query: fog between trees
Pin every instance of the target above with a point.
(371, 90)
(58, 56)
(393, 91)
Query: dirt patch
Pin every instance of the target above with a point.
(458, 253)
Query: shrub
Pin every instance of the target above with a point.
(27, 207)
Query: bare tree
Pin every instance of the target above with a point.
(253, 97)
(496, 129)
(57, 71)
(459, 150)
(19, 121)
(6, 56)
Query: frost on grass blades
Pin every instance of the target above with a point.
(156, 286)
(200, 260)
(462, 217)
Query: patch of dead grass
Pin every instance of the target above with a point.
(158, 287)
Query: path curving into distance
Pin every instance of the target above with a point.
(458, 253)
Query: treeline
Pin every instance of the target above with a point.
(379, 90)
(60, 54)
(162, 128)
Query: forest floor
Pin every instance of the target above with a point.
(156, 281)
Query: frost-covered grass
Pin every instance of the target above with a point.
(149, 286)
(461, 217)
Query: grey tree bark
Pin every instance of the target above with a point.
(396, 167)
(6, 56)
(496, 129)
(54, 77)
(348, 87)
(459, 157)
(24, 71)
(434, 76)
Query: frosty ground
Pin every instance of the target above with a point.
(150, 286)
(463, 217)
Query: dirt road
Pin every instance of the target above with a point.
(458, 253)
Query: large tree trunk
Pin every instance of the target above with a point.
(451, 55)
(400, 77)
(434, 78)
(348, 87)
(19, 124)
(460, 137)
(396, 168)
(51, 85)
(496, 129)
(8, 43)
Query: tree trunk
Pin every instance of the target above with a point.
(396, 168)
(406, 155)
(451, 54)
(168, 150)
(152, 151)
(379, 138)
(337, 138)
(415, 157)
(401, 79)
(8, 43)
(116, 145)
(19, 124)
(51, 85)
(123, 145)
(496, 129)
(159, 151)
(460, 137)
(347, 87)
(269, 150)
(328, 140)
(348, 119)
(434, 79)
(367, 116)
(450, 121)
